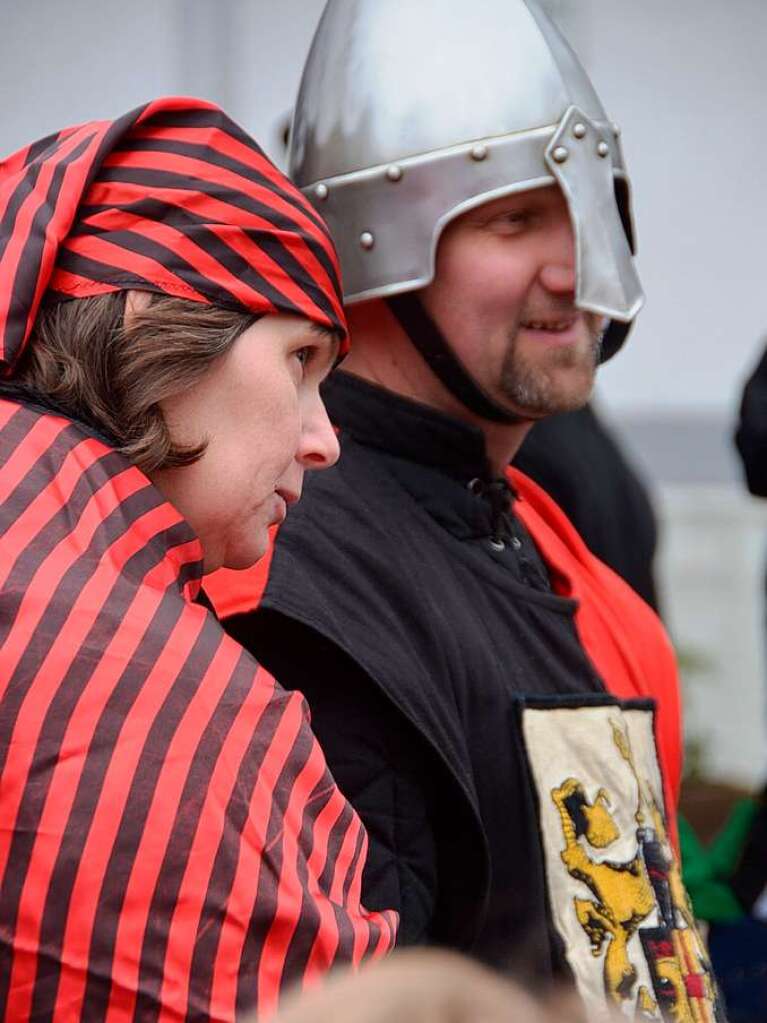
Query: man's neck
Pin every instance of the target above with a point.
(387, 358)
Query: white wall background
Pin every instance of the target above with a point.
(687, 81)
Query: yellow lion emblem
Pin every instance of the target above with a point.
(627, 894)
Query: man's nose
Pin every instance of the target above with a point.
(558, 273)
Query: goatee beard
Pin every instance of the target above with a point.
(562, 383)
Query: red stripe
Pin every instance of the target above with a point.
(192, 892)
(226, 144)
(107, 817)
(163, 104)
(50, 571)
(326, 941)
(279, 278)
(72, 758)
(235, 237)
(290, 890)
(158, 830)
(48, 503)
(132, 263)
(73, 284)
(36, 442)
(343, 860)
(20, 238)
(219, 215)
(206, 173)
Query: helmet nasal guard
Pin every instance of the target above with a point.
(410, 114)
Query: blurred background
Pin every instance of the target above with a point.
(686, 83)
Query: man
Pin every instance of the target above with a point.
(488, 694)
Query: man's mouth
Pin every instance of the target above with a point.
(558, 326)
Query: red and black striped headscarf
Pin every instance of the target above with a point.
(173, 197)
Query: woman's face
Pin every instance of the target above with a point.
(260, 412)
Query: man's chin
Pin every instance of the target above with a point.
(538, 403)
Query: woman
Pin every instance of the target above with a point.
(172, 844)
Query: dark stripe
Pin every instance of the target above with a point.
(212, 246)
(38, 149)
(217, 158)
(24, 188)
(62, 599)
(268, 884)
(100, 746)
(59, 526)
(353, 865)
(11, 436)
(300, 947)
(95, 270)
(239, 200)
(190, 223)
(198, 118)
(65, 700)
(165, 896)
(225, 866)
(335, 842)
(142, 791)
(27, 273)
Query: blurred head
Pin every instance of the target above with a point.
(424, 986)
(168, 285)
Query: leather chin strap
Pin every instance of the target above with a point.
(430, 342)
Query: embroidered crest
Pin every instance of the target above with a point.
(617, 896)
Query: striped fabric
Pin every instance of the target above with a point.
(172, 844)
(172, 197)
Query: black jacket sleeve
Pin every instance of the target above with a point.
(378, 760)
(751, 435)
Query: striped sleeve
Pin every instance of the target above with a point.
(173, 845)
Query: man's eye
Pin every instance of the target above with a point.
(304, 354)
(518, 218)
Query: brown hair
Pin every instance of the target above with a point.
(92, 365)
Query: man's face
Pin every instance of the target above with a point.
(504, 298)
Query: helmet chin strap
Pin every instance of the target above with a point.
(430, 342)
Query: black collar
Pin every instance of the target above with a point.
(404, 428)
(443, 464)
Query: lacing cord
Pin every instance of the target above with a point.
(498, 495)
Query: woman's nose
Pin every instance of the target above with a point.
(319, 447)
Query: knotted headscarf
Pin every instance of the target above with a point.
(172, 197)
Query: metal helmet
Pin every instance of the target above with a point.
(409, 114)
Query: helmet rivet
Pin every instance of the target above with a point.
(579, 130)
(367, 241)
(560, 154)
(479, 152)
(616, 130)
(394, 173)
(321, 191)
(603, 149)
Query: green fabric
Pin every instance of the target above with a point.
(707, 870)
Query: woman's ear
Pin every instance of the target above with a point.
(135, 302)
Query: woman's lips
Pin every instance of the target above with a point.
(280, 511)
